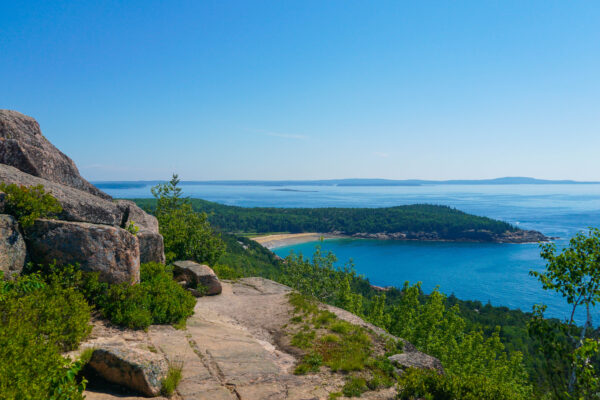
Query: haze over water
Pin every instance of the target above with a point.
(474, 271)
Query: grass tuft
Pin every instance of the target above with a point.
(171, 381)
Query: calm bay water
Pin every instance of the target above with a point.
(487, 272)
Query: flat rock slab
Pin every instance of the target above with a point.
(230, 351)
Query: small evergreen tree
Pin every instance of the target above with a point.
(187, 234)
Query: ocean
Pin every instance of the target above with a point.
(498, 273)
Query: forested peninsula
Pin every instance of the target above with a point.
(423, 222)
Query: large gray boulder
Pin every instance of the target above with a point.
(23, 146)
(78, 206)
(134, 368)
(12, 246)
(110, 250)
(193, 274)
(152, 248)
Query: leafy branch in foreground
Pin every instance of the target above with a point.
(570, 352)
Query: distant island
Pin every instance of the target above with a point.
(294, 190)
(350, 182)
(420, 222)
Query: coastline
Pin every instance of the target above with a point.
(287, 239)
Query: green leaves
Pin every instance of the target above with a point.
(157, 299)
(187, 234)
(38, 321)
(570, 359)
(466, 356)
(29, 203)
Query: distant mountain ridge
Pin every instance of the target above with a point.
(352, 182)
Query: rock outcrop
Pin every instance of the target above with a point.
(23, 146)
(12, 246)
(109, 250)
(200, 279)
(152, 248)
(95, 239)
(77, 206)
(416, 359)
(134, 368)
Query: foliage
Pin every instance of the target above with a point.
(187, 234)
(245, 257)
(170, 382)
(448, 222)
(29, 203)
(334, 343)
(157, 299)
(38, 321)
(418, 384)
(570, 352)
(354, 387)
(132, 228)
(466, 356)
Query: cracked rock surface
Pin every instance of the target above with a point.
(230, 349)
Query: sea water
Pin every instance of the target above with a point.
(498, 273)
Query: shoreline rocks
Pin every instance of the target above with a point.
(477, 236)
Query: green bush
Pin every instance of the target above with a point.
(38, 321)
(157, 299)
(29, 203)
(187, 234)
(418, 384)
(354, 387)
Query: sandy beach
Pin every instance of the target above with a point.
(287, 239)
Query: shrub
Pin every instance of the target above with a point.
(419, 384)
(187, 234)
(38, 321)
(157, 299)
(354, 387)
(29, 203)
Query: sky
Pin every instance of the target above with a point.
(212, 90)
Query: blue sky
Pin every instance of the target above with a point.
(310, 89)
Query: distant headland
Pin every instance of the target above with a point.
(352, 182)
